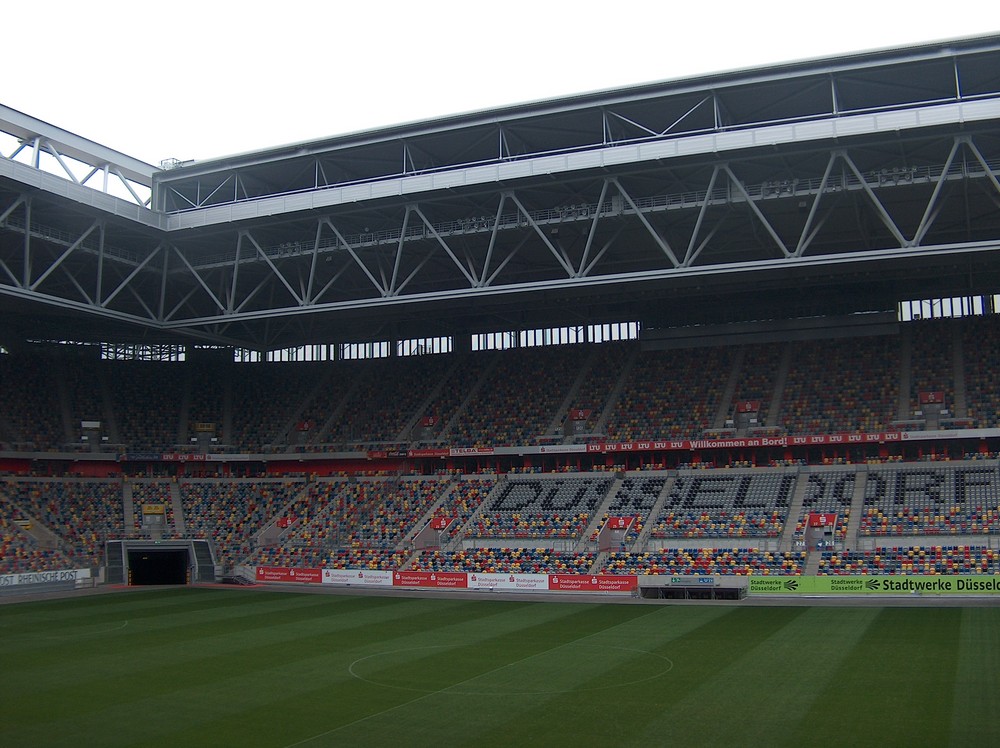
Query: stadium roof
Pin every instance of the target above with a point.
(817, 187)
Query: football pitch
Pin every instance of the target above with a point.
(221, 667)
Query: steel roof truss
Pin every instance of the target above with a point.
(13, 278)
(308, 293)
(876, 203)
(340, 237)
(128, 186)
(177, 307)
(510, 256)
(696, 251)
(274, 269)
(100, 264)
(481, 281)
(934, 204)
(632, 122)
(660, 241)
(329, 283)
(434, 234)
(163, 286)
(129, 277)
(557, 253)
(819, 225)
(692, 253)
(757, 212)
(62, 257)
(416, 270)
(393, 290)
(261, 285)
(76, 284)
(20, 200)
(597, 258)
(48, 148)
(990, 173)
(231, 299)
(142, 302)
(806, 236)
(584, 268)
(221, 307)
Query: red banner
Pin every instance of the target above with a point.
(619, 523)
(441, 579)
(932, 398)
(427, 453)
(439, 523)
(748, 406)
(429, 421)
(748, 442)
(580, 414)
(285, 574)
(822, 520)
(593, 583)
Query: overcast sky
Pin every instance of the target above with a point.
(195, 80)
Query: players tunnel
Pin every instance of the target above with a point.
(159, 566)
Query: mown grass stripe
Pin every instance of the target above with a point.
(894, 687)
(977, 680)
(246, 667)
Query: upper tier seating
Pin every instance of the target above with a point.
(981, 358)
(668, 395)
(515, 404)
(836, 386)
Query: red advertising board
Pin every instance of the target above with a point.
(822, 520)
(440, 523)
(748, 442)
(748, 406)
(619, 523)
(932, 398)
(427, 453)
(440, 579)
(466, 451)
(363, 577)
(580, 414)
(592, 583)
(285, 574)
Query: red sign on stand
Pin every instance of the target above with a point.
(285, 574)
(822, 520)
(592, 583)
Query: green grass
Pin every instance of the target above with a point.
(188, 667)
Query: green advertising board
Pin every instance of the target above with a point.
(876, 585)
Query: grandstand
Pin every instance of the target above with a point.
(751, 328)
